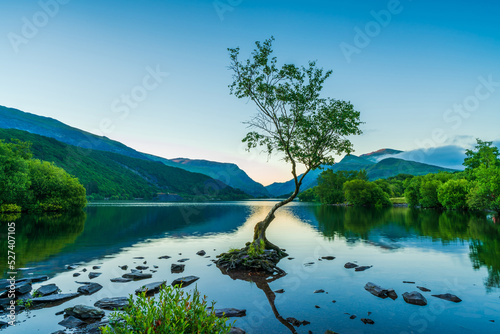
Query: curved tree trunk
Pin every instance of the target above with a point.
(259, 235)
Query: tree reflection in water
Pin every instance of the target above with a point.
(262, 281)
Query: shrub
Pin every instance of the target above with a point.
(453, 194)
(174, 311)
(10, 208)
(364, 193)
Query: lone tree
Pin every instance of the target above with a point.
(292, 119)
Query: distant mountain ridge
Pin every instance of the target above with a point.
(228, 173)
(383, 169)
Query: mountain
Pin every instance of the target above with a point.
(379, 154)
(107, 174)
(45, 126)
(228, 173)
(383, 169)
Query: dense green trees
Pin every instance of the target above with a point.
(365, 193)
(32, 185)
(330, 189)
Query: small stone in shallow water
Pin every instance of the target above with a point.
(177, 268)
(96, 267)
(316, 306)
(94, 275)
(350, 265)
(141, 267)
(352, 317)
(117, 303)
(201, 253)
(408, 282)
(328, 257)
(319, 291)
(120, 280)
(46, 290)
(124, 267)
(165, 257)
(291, 258)
(71, 322)
(230, 312)
(362, 268)
(76, 274)
(138, 257)
(414, 298)
(89, 289)
(423, 289)
(449, 297)
(308, 264)
(279, 291)
(367, 321)
(185, 281)
(183, 260)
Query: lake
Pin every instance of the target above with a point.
(446, 252)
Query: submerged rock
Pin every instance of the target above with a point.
(183, 260)
(201, 253)
(414, 298)
(279, 291)
(362, 268)
(449, 297)
(165, 257)
(137, 276)
(236, 330)
(116, 303)
(124, 267)
(151, 288)
(90, 288)
(297, 323)
(376, 290)
(328, 257)
(94, 275)
(230, 312)
(177, 268)
(46, 290)
(72, 322)
(350, 265)
(84, 312)
(367, 321)
(121, 280)
(421, 288)
(185, 281)
(319, 291)
(141, 267)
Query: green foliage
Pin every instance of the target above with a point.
(14, 172)
(330, 189)
(485, 191)
(174, 311)
(111, 175)
(29, 184)
(485, 154)
(412, 191)
(453, 194)
(365, 193)
(292, 119)
(309, 195)
(428, 193)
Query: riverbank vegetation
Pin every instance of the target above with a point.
(475, 188)
(33, 185)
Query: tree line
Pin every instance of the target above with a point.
(475, 188)
(28, 184)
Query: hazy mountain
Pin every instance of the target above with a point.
(228, 173)
(382, 169)
(108, 174)
(378, 155)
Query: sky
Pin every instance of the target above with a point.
(153, 74)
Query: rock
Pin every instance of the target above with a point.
(391, 294)
(183, 260)
(201, 253)
(124, 267)
(96, 267)
(89, 288)
(141, 267)
(155, 266)
(408, 282)
(376, 290)
(330, 332)
(71, 266)
(58, 332)
(367, 321)
(350, 265)
(60, 312)
(177, 268)
(279, 291)
(3, 324)
(328, 257)
(308, 264)
(414, 298)
(121, 280)
(352, 317)
(72, 322)
(76, 274)
(334, 301)
(145, 262)
(319, 291)
(116, 303)
(34, 279)
(94, 275)
(84, 270)
(423, 289)
(150, 288)
(236, 330)
(137, 276)
(84, 312)
(185, 281)
(291, 258)
(230, 312)
(449, 297)
(22, 288)
(138, 257)
(362, 268)
(165, 257)
(316, 306)
(46, 290)
(206, 257)
(135, 271)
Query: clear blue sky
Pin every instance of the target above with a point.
(419, 77)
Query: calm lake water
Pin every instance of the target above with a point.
(447, 252)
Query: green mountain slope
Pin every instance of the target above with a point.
(228, 173)
(107, 174)
(377, 155)
(381, 170)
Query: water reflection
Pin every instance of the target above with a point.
(262, 281)
(40, 236)
(399, 224)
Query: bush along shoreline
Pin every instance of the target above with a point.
(32, 185)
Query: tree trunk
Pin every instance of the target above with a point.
(259, 235)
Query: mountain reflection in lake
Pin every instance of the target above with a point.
(444, 251)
